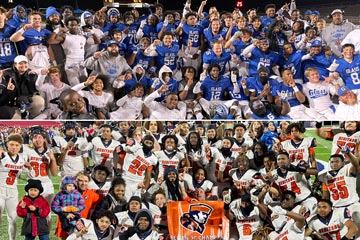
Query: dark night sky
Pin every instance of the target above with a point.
(170, 4)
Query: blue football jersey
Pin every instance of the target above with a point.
(7, 48)
(293, 63)
(215, 90)
(321, 63)
(282, 88)
(259, 59)
(150, 32)
(350, 72)
(193, 34)
(209, 57)
(167, 56)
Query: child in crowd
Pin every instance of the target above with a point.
(34, 209)
(68, 203)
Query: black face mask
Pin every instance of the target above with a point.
(147, 149)
(226, 152)
(138, 76)
(247, 210)
(263, 79)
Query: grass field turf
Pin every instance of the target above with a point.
(322, 152)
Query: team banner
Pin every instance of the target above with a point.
(200, 220)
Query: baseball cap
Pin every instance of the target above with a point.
(308, 12)
(316, 43)
(342, 90)
(336, 11)
(111, 42)
(21, 58)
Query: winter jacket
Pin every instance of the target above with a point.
(35, 223)
(24, 87)
(72, 199)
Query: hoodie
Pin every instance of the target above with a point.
(158, 82)
(136, 233)
(16, 21)
(143, 213)
(142, 78)
(65, 202)
(111, 66)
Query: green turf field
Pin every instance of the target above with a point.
(322, 152)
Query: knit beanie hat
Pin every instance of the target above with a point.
(34, 183)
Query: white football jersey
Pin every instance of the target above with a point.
(73, 161)
(299, 151)
(319, 95)
(343, 139)
(10, 170)
(101, 190)
(136, 164)
(189, 184)
(103, 153)
(246, 225)
(168, 160)
(341, 186)
(292, 181)
(333, 228)
(40, 162)
(214, 163)
(242, 180)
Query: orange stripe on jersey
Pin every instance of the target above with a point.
(312, 150)
(150, 167)
(324, 187)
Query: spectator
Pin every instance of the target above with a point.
(18, 90)
(68, 204)
(34, 209)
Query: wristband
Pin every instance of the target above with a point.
(296, 89)
(198, 52)
(21, 30)
(243, 86)
(186, 88)
(181, 24)
(92, 31)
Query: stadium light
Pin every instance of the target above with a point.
(239, 4)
